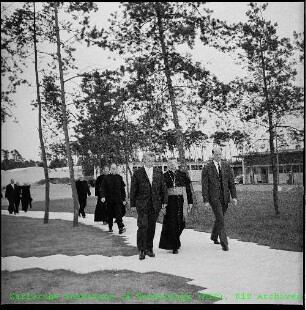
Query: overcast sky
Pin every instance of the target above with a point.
(23, 135)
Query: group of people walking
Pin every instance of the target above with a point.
(15, 194)
(153, 191)
(111, 198)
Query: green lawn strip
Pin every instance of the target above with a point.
(106, 287)
(26, 237)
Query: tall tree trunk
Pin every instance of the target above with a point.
(178, 131)
(271, 139)
(179, 135)
(42, 145)
(65, 122)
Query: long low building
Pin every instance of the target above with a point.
(257, 167)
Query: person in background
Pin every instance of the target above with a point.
(10, 195)
(113, 193)
(82, 191)
(26, 199)
(178, 184)
(148, 196)
(18, 197)
(100, 211)
(217, 186)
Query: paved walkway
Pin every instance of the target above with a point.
(247, 268)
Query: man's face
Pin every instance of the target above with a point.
(113, 169)
(12, 181)
(106, 170)
(148, 160)
(217, 155)
(173, 164)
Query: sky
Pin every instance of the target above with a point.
(23, 135)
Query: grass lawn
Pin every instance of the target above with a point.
(27, 237)
(252, 220)
(109, 286)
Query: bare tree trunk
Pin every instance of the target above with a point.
(65, 123)
(42, 145)
(179, 134)
(271, 140)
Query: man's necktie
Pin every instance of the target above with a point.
(219, 171)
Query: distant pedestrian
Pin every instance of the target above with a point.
(10, 195)
(100, 212)
(113, 193)
(18, 197)
(26, 199)
(82, 190)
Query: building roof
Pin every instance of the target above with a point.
(289, 151)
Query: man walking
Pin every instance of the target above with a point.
(217, 186)
(11, 195)
(148, 196)
(82, 190)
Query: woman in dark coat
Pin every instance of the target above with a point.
(100, 211)
(26, 198)
(174, 222)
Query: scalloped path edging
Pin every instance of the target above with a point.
(247, 268)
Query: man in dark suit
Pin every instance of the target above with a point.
(217, 186)
(148, 196)
(11, 193)
(82, 190)
(113, 193)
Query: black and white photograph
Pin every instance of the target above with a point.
(152, 153)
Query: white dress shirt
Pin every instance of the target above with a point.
(216, 164)
(149, 172)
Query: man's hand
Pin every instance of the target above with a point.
(103, 199)
(234, 201)
(206, 204)
(124, 202)
(164, 205)
(189, 207)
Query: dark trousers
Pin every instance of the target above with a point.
(111, 214)
(219, 210)
(82, 203)
(146, 222)
(11, 207)
(17, 203)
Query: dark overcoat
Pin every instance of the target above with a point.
(143, 195)
(11, 192)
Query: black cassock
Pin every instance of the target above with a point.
(113, 189)
(100, 211)
(26, 198)
(174, 222)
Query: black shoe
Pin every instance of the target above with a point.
(110, 230)
(83, 215)
(225, 247)
(122, 230)
(150, 253)
(142, 255)
(175, 251)
(215, 241)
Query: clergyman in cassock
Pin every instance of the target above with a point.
(82, 191)
(113, 193)
(26, 199)
(179, 194)
(100, 211)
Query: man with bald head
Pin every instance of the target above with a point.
(148, 196)
(217, 187)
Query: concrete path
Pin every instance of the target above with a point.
(247, 273)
